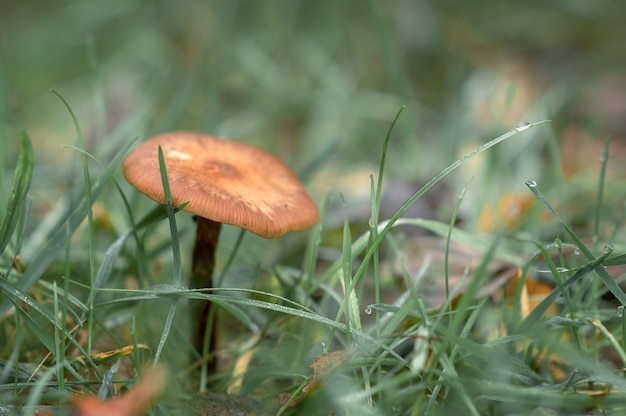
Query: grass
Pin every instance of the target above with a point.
(398, 312)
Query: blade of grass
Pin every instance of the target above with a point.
(607, 280)
(112, 252)
(59, 341)
(375, 209)
(361, 243)
(21, 183)
(313, 245)
(169, 291)
(461, 311)
(167, 327)
(89, 202)
(445, 172)
(453, 218)
(57, 240)
(280, 306)
(14, 292)
(177, 278)
(37, 392)
(5, 116)
(437, 227)
(351, 307)
(555, 273)
(604, 158)
(619, 349)
(231, 257)
(538, 311)
(169, 207)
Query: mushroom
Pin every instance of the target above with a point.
(223, 182)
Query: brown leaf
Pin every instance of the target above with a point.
(325, 364)
(533, 291)
(509, 212)
(134, 403)
(105, 356)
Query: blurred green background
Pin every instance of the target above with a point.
(316, 82)
(312, 79)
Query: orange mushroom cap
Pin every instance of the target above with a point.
(224, 181)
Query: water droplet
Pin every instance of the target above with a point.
(523, 125)
(368, 310)
(562, 270)
(608, 247)
(515, 211)
(531, 184)
(577, 251)
(619, 312)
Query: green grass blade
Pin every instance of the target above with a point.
(177, 278)
(445, 172)
(57, 241)
(376, 195)
(607, 280)
(604, 158)
(106, 266)
(362, 242)
(169, 291)
(59, 341)
(172, 219)
(350, 309)
(89, 200)
(383, 158)
(21, 184)
(166, 331)
(14, 292)
(534, 316)
(453, 217)
(615, 261)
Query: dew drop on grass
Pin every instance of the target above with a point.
(619, 311)
(608, 248)
(577, 251)
(531, 184)
(523, 125)
(368, 310)
(514, 211)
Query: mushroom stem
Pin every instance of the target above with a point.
(202, 277)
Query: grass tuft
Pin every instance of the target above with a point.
(466, 291)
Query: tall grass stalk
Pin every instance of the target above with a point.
(90, 227)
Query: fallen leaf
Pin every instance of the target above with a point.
(533, 291)
(134, 403)
(509, 212)
(241, 364)
(104, 356)
(325, 364)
